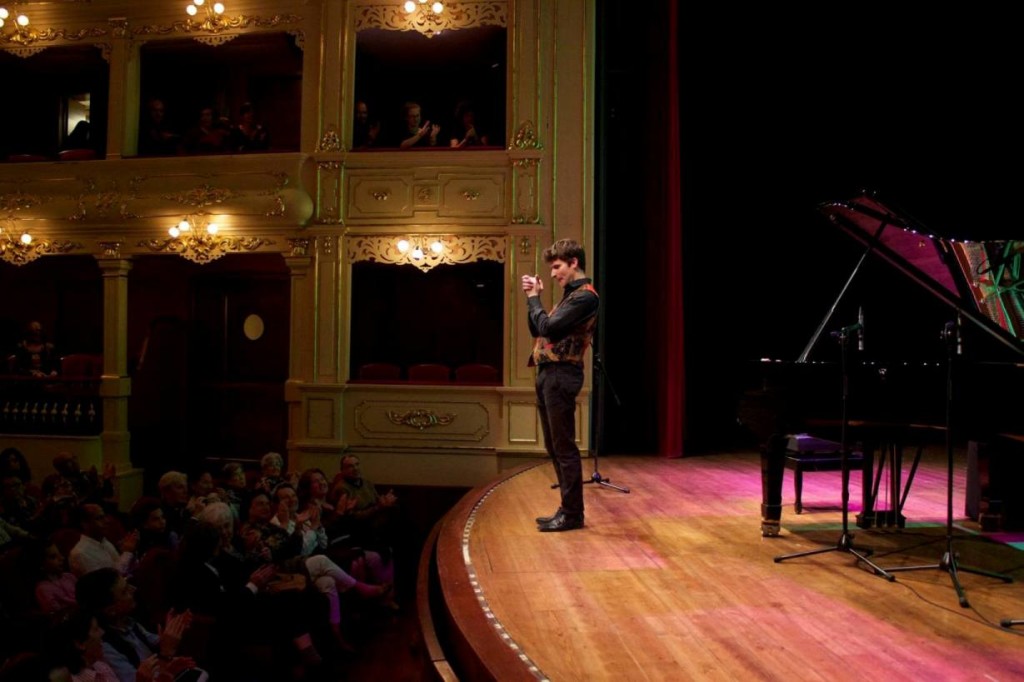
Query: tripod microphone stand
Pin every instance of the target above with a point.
(954, 347)
(596, 477)
(845, 541)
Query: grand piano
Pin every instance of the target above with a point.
(895, 403)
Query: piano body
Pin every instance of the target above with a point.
(898, 403)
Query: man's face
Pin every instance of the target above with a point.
(350, 467)
(412, 118)
(259, 509)
(563, 272)
(176, 494)
(95, 524)
(156, 111)
(124, 598)
(362, 112)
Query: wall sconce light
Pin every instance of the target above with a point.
(20, 247)
(214, 20)
(198, 238)
(18, 22)
(425, 16)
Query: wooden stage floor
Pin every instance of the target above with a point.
(673, 581)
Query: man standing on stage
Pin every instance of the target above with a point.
(562, 337)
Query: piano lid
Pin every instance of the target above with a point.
(983, 281)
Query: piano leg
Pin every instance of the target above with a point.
(773, 460)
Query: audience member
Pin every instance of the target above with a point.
(155, 136)
(13, 462)
(126, 644)
(34, 355)
(147, 515)
(365, 131)
(208, 136)
(248, 135)
(372, 516)
(94, 550)
(235, 487)
(271, 466)
(82, 486)
(79, 137)
(180, 508)
(464, 132)
(10, 533)
(17, 507)
(55, 586)
(76, 644)
(417, 134)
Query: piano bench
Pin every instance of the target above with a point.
(801, 461)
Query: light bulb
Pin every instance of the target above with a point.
(403, 244)
(184, 226)
(22, 20)
(1, 23)
(410, 6)
(174, 232)
(26, 238)
(437, 7)
(4, 13)
(437, 246)
(218, 8)
(417, 253)
(212, 228)
(199, 3)
(191, 10)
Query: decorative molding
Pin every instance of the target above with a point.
(328, 165)
(219, 26)
(111, 249)
(299, 246)
(329, 142)
(19, 201)
(426, 194)
(526, 137)
(205, 248)
(470, 194)
(327, 244)
(456, 15)
(525, 246)
(18, 40)
(200, 197)
(457, 249)
(420, 418)
(104, 201)
(217, 39)
(17, 253)
(118, 27)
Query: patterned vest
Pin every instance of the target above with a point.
(570, 348)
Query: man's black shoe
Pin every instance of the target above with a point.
(549, 519)
(561, 522)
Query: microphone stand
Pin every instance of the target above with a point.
(596, 477)
(845, 541)
(948, 562)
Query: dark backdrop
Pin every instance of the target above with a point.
(781, 111)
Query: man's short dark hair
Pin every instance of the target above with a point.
(566, 250)
(94, 591)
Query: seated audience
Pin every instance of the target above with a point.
(208, 136)
(17, 507)
(235, 487)
(126, 644)
(464, 132)
(147, 515)
(271, 466)
(155, 136)
(76, 646)
(35, 356)
(13, 462)
(248, 135)
(180, 507)
(365, 131)
(55, 587)
(417, 134)
(94, 550)
(82, 486)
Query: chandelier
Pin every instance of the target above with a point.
(197, 238)
(425, 16)
(214, 20)
(20, 33)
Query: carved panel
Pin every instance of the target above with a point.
(456, 15)
(434, 420)
(472, 196)
(379, 196)
(526, 191)
(455, 249)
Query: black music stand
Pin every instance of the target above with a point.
(845, 541)
(954, 347)
(1010, 622)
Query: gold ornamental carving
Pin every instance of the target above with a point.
(18, 201)
(218, 26)
(299, 246)
(18, 253)
(201, 197)
(420, 419)
(329, 142)
(205, 248)
(526, 137)
(456, 15)
(525, 246)
(454, 250)
(110, 249)
(21, 42)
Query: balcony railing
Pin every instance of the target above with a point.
(50, 406)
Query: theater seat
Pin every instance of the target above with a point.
(77, 155)
(430, 373)
(23, 158)
(476, 373)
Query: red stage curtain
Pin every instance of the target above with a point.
(666, 287)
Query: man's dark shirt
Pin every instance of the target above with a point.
(567, 315)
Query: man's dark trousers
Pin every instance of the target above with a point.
(558, 384)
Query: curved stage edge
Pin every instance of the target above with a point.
(674, 581)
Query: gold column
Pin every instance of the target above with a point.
(115, 385)
(123, 107)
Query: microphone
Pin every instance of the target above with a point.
(860, 329)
